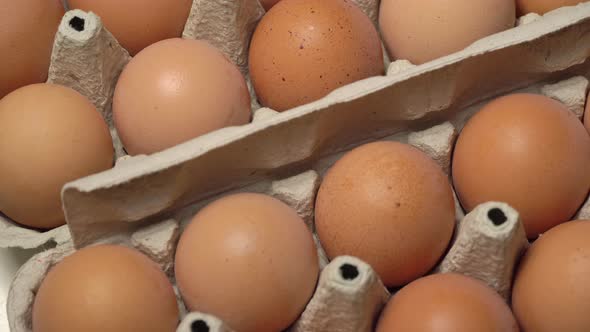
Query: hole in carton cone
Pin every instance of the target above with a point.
(497, 216)
(77, 23)
(199, 326)
(349, 271)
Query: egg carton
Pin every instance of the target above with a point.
(89, 59)
(486, 245)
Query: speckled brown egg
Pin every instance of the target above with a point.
(304, 49)
(421, 31)
(49, 135)
(105, 288)
(447, 303)
(551, 290)
(389, 204)
(27, 31)
(176, 90)
(543, 6)
(248, 259)
(526, 150)
(139, 23)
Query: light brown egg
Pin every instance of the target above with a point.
(447, 303)
(304, 49)
(27, 31)
(105, 288)
(421, 31)
(174, 91)
(248, 259)
(139, 23)
(390, 205)
(49, 135)
(543, 6)
(551, 290)
(526, 150)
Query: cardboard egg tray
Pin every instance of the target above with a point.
(88, 58)
(349, 295)
(146, 201)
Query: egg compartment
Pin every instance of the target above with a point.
(88, 58)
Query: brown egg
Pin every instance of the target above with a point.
(248, 259)
(105, 288)
(49, 135)
(447, 303)
(551, 291)
(390, 205)
(421, 31)
(304, 49)
(268, 4)
(543, 6)
(139, 23)
(27, 31)
(528, 151)
(587, 114)
(174, 91)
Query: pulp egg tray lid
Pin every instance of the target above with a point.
(88, 58)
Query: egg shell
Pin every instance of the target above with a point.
(105, 288)
(446, 303)
(176, 90)
(371, 205)
(529, 151)
(27, 30)
(304, 49)
(139, 23)
(543, 6)
(421, 31)
(551, 290)
(245, 256)
(41, 126)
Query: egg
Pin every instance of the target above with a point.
(248, 259)
(268, 4)
(447, 303)
(139, 23)
(421, 31)
(526, 150)
(49, 135)
(390, 205)
(105, 288)
(176, 90)
(551, 290)
(586, 117)
(303, 49)
(27, 31)
(543, 6)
